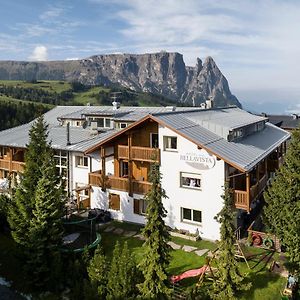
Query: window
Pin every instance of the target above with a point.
(190, 180)
(114, 201)
(124, 168)
(107, 123)
(154, 140)
(191, 215)
(139, 206)
(81, 161)
(123, 125)
(170, 143)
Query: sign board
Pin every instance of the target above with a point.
(198, 160)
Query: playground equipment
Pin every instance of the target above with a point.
(205, 269)
(79, 234)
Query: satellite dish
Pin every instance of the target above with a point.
(84, 124)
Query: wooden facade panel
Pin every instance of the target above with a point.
(140, 170)
(141, 137)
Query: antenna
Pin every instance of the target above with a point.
(114, 97)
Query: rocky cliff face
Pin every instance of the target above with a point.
(161, 73)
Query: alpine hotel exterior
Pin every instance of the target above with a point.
(197, 150)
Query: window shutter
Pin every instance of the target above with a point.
(114, 201)
(136, 206)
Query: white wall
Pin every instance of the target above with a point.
(80, 174)
(99, 199)
(208, 200)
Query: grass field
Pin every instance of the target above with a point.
(265, 285)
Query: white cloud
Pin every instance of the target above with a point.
(51, 13)
(255, 42)
(40, 53)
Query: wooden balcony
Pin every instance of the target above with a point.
(4, 164)
(12, 166)
(139, 153)
(243, 199)
(119, 183)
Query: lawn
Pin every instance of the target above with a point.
(265, 285)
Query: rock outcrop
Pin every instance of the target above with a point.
(160, 73)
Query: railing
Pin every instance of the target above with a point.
(139, 153)
(4, 164)
(141, 187)
(119, 183)
(256, 189)
(241, 199)
(95, 178)
(16, 166)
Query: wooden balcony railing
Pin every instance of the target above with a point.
(243, 199)
(119, 183)
(18, 166)
(4, 164)
(14, 166)
(139, 153)
(141, 187)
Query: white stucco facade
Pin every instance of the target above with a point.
(206, 200)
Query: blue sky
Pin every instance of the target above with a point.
(255, 43)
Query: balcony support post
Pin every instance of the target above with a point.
(130, 193)
(103, 173)
(248, 191)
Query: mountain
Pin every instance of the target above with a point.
(159, 73)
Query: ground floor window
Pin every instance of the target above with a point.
(139, 206)
(191, 215)
(190, 180)
(114, 201)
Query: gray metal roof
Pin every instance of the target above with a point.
(244, 153)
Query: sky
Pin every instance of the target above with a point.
(256, 44)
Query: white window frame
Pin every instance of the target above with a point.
(142, 206)
(80, 161)
(167, 143)
(195, 180)
(192, 216)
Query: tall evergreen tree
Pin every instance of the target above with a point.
(20, 212)
(97, 272)
(45, 231)
(229, 280)
(123, 275)
(282, 210)
(157, 251)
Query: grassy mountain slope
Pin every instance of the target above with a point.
(22, 101)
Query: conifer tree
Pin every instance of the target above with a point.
(229, 280)
(20, 212)
(97, 272)
(282, 210)
(45, 228)
(157, 251)
(123, 275)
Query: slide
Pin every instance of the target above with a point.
(188, 274)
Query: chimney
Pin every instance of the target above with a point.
(68, 134)
(209, 103)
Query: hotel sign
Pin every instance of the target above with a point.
(198, 160)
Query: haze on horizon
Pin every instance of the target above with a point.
(256, 44)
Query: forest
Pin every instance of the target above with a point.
(22, 101)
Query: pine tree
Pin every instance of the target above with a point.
(157, 251)
(282, 210)
(123, 275)
(229, 280)
(45, 231)
(97, 272)
(20, 212)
